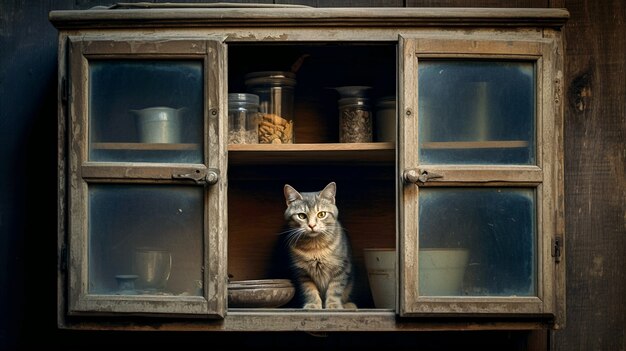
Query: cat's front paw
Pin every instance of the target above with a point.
(350, 306)
(334, 306)
(312, 306)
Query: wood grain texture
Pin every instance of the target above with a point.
(299, 17)
(595, 177)
(359, 3)
(350, 323)
(477, 3)
(407, 159)
(328, 153)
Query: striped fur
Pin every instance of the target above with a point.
(319, 248)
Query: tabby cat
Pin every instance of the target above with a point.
(319, 248)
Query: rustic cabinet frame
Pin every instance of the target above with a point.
(539, 176)
(85, 172)
(205, 34)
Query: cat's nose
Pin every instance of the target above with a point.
(312, 225)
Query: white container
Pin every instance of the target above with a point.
(381, 274)
(441, 271)
(159, 124)
(385, 123)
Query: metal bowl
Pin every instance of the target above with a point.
(264, 293)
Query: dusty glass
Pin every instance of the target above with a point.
(477, 242)
(476, 112)
(146, 110)
(145, 239)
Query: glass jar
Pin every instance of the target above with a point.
(385, 123)
(243, 121)
(355, 120)
(276, 94)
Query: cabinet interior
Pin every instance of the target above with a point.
(365, 174)
(319, 67)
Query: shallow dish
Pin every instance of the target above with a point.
(264, 293)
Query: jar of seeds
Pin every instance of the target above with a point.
(243, 121)
(355, 120)
(276, 94)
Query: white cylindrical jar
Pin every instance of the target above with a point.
(243, 121)
(385, 123)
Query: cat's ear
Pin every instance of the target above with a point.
(291, 194)
(329, 192)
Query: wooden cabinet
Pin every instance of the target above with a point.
(152, 223)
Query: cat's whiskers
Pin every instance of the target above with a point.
(294, 235)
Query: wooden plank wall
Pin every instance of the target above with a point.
(595, 190)
(595, 176)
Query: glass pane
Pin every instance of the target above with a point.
(145, 239)
(477, 242)
(145, 111)
(476, 112)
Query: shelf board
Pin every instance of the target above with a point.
(146, 146)
(311, 153)
(271, 320)
(490, 144)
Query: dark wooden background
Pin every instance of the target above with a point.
(595, 193)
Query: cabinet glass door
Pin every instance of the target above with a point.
(145, 110)
(477, 242)
(145, 240)
(476, 160)
(476, 111)
(146, 154)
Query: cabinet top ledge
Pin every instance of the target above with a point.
(195, 15)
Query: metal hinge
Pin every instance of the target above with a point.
(557, 246)
(558, 89)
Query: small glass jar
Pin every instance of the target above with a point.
(355, 120)
(385, 123)
(243, 121)
(276, 94)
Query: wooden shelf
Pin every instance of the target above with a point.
(289, 320)
(146, 146)
(311, 153)
(491, 144)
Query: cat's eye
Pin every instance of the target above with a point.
(321, 214)
(301, 215)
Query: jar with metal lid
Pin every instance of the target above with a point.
(355, 120)
(243, 121)
(385, 122)
(276, 96)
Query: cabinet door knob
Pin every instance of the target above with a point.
(212, 176)
(411, 176)
(420, 175)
